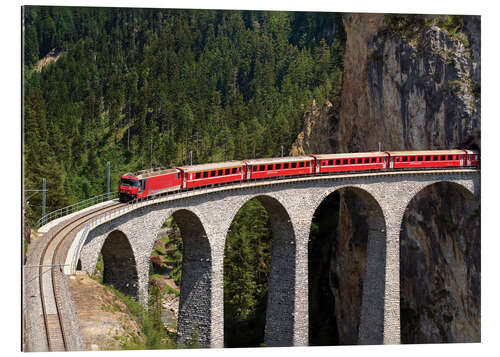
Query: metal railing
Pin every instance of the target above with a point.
(75, 207)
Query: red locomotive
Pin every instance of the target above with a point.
(148, 182)
(152, 182)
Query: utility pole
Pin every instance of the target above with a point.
(151, 154)
(108, 179)
(281, 150)
(379, 146)
(191, 158)
(44, 195)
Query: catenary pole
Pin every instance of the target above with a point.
(108, 179)
(44, 195)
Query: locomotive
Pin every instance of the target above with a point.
(148, 183)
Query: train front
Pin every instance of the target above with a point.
(128, 188)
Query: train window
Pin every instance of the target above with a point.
(405, 158)
(205, 174)
(307, 163)
(278, 166)
(372, 160)
(359, 161)
(420, 158)
(450, 157)
(435, 158)
(212, 173)
(301, 164)
(220, 173)
(262, 167)
(226, 172)
(329, 163)
(234, 170)
(427, 158)
(270, 167)
(337, 162)
(344, 161)
(285, 165)
(198, 175)
(294, 165)
(412, 158)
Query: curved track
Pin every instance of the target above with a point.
(51, 263)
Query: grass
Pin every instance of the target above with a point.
(170, 290)
(154, 334)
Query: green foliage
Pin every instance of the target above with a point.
(142, 87)
(154, 334)
(246, 275)
(412, 27)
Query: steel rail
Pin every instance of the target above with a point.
(54, 288)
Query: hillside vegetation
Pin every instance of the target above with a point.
(144, 87)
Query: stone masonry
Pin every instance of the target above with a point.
(204, 221)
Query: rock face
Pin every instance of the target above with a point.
(411, 90)
(410, 82)
(319, 131)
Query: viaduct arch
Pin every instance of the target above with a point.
(297, 200)
(444, 268)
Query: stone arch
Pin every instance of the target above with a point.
(355, 271)
(120, 268)
(279, 326)
(195, 302)
(440, 265)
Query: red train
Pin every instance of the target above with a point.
(152, 182)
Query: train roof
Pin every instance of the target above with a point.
(430, 152)
(278, 159)
(349, 155)
(211, 166)
(151, 172)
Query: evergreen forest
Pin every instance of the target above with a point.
(144, 87)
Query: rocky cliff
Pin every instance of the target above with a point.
(319, 132)
(411, 82)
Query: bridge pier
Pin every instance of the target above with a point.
(301, 310)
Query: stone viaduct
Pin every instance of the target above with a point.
(204, 218)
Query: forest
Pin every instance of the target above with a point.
(143, 87)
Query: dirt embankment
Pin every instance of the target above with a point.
(102, 316)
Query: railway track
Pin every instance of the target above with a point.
(50, 266)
